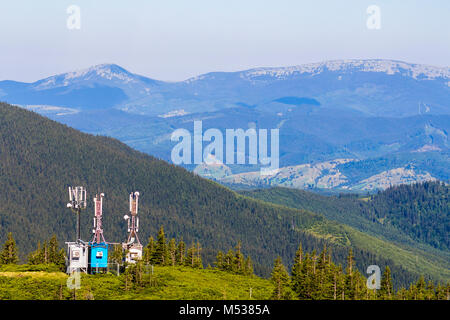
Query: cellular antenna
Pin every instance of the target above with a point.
(77, 259)
(133, 245)
(77, 202)
(98, 258)
(98, 230)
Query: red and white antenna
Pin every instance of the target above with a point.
(133, 221)
(98, 230)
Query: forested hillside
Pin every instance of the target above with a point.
(40, 158)
(420, 211)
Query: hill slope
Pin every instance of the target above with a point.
(419, 211)
(39, 158)
(167, 283)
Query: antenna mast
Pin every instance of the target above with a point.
(133, 245)
(77, 202)
(98, 230)
(133, 221)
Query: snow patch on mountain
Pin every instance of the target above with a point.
(101, 71)
(390, 67)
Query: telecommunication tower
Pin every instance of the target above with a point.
(78, 250)
(133, 245)
(98, 230)
(98, 258)
(77, 202)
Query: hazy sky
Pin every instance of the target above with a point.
(177, 39)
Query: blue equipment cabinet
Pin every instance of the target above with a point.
(99, 255)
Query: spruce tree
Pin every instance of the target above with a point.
(238, 263)
(191, 256)
(386, 288)
(172, 252)
(248, 266)
(219, 260)
(161, 248)
(149, 252)
(350, 280)
(229, 260)
(181, 252)
(280, 278)
(198, 257)
(297, 271)
(8, 255)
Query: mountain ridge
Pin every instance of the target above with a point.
(357, 108)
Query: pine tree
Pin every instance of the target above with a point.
(248, 266)
(402, 294)
(303, 282)
(420, 288)
(238, 263)
(191, 256)
(350, 280)
(281, 280)
(386, 287)
(219, 260)
(172, 252)
(8, 255)
(198, 257)
(297, 270)
(35, 256)
(229, 260)
(161, 248)
(181, 252)
(117, 255)
(150, 252)
(56, 255)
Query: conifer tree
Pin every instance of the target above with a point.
(280, 278)
(219, 260)
(296, 268)
(350, 280)
(191, 256)
(248, 266)
(161, 255)
(35, 256)
(229, 260)
(297, 271)
(238, 259)
(118, 255)
(386, 288)
(198, 257)
(150, 252)
(402, 294)
(420, 288)
(181, 252)
(8, 255)
(172, 252)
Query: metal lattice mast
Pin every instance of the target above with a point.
(98, 230)
(133, 221)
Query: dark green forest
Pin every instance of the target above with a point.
(314, 276)
(40, 158)
(419, 211)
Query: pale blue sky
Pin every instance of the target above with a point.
(177, 39)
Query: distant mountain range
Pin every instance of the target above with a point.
(390, 118)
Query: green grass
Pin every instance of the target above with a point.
(166, 283)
